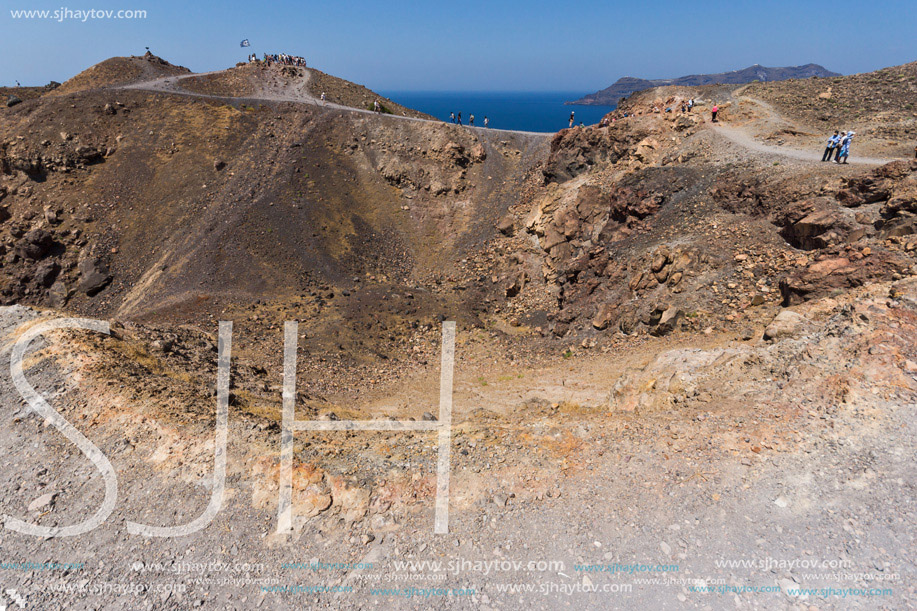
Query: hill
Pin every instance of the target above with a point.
(120, 71)
(623, 87)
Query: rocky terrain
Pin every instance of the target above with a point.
(680, 345)
(625, 86)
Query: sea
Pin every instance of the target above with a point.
(523, 111)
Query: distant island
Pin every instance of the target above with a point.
(623, 87)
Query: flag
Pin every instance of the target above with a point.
(245, 43)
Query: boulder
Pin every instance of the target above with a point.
(93, 277)
(505, 225)
(47, 273)
(35, 244)
(604, 316)
(786, 324)
(663, 321)
(12, 101)
(58, 294)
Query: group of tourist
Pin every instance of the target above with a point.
(457, 119)
(838, 147)
(279, 58)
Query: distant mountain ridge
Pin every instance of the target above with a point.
(623, 87)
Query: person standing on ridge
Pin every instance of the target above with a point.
(471, 120)
(571, 118)
(452, 117)
(486, 122)
(459, 119)
(832, 144)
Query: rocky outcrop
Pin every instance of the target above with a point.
(840, 269)
(818, 223)
(575, 151)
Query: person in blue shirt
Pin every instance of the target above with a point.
(845, 148)
(832, 144)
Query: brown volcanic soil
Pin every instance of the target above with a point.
(195, 207)
(235, 82)
(23, 93)
(339, 91)
(120, 71)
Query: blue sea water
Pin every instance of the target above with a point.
(525, 111)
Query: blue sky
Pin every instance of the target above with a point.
(506, 45)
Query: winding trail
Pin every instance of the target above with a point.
(739, 135)
(297, 95)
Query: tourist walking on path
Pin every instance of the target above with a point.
(571, 118)
(832, 144)
(471, 120)
(690, 104)
(459, 119)
(323, 98)
(452, 117)
(845, 148)
(713, 112)
(486, 121)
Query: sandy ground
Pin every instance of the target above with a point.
(732, 499)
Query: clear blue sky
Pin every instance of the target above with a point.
(518, 45)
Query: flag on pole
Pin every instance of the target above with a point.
(245, 43)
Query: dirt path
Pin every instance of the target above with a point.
(299, 95)
(769, 117)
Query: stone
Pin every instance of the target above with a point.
(604, 316)
(47, 273)
(35, 244)
(505, 225)
(664, 323)
(12, 101)
(45, 501)
(58, 294)
(93, 277)
(786, 324)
